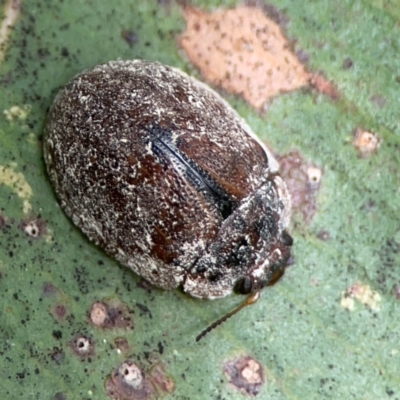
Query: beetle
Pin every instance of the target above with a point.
(160, 172)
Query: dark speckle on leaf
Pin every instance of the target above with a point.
(64, 52)
(144, 309)
(20, 375)
(130, 37)
(57, 334)
(160, 348)
(348, 63)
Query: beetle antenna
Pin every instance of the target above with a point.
(250, 300)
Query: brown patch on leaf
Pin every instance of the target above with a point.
(303, 182)
(49, 290)
(111, 314)
(122, 345)
(59, 311)
(246, 374)
(243, 51)
(128, 382)
(366, 142)
(160, 379)
(324, 86)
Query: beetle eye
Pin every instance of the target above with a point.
(286, 239)
(244, 285)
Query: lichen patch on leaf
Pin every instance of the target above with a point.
(243, 51)
(17, 181)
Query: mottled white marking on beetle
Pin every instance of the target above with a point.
(163, 174)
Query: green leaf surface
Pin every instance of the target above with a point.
(308, 344)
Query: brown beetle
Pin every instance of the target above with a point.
(159, 171)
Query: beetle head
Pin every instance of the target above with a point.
(251, 248)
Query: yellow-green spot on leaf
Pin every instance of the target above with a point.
(17, 113)
(362, 293)
(32, 138)
(17, 182)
